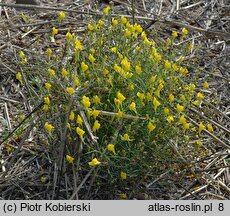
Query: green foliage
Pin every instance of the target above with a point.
(128, 90)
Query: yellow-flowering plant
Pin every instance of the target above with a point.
(116, 85)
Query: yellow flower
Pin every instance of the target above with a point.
(184, 31)
(174, 34)
(117, 68)
(100, 23)
(69, 36)
(138, 69)
(161, 81)
(168, 65)
(210, 128)
(205, 85)
(135, 35)
(61, 16)
(105, 71)
(51, 72)
(182, 120)
(174, 67)
(90, 27)
(80, 132)
(120, 96)
(78, 45)
(185, 71)
(86, 83)
(168, 42)
(96, 99)
(45, 107)
(125, 137)
(156, 103)
(71, 116)
(138, 28)
(117, 102)
(89, 112)
(114, 21)
(141, 96)
(79, 120)
(183, 98)
(91, 58)
(22, 54)
(166, 111)
(170, 119)
(120, 114)
(151, 126)
(107, 10)
(158, 57)
(23, 61)
(180, 108)
(77, 82)
(125, 64)
(49, 127)
(64, 72)
(70, 90)
(149, 96)
(110, 147)
(201, 127)
(123, 196)
(132, 107)
(153, 51)
(147, 42)
(49, 52)
(84, 66)
(86, 101)
(19, 76)
(95, 113)
(127, 33)
(200, 96)
(94, 162)
(54, 31)
(159, 88)
(48, 86)
(69, 159)
(137, 48)
(143, 35)
(96, 126)
(130, 87)
(47, 100)
(123, 20)
(114, 49)
(196, 103)
(182, 70)
(186, 126)
(68, 125)
(192, 87)
(123, 176)
(43, 179)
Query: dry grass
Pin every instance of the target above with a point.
(210, 28)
